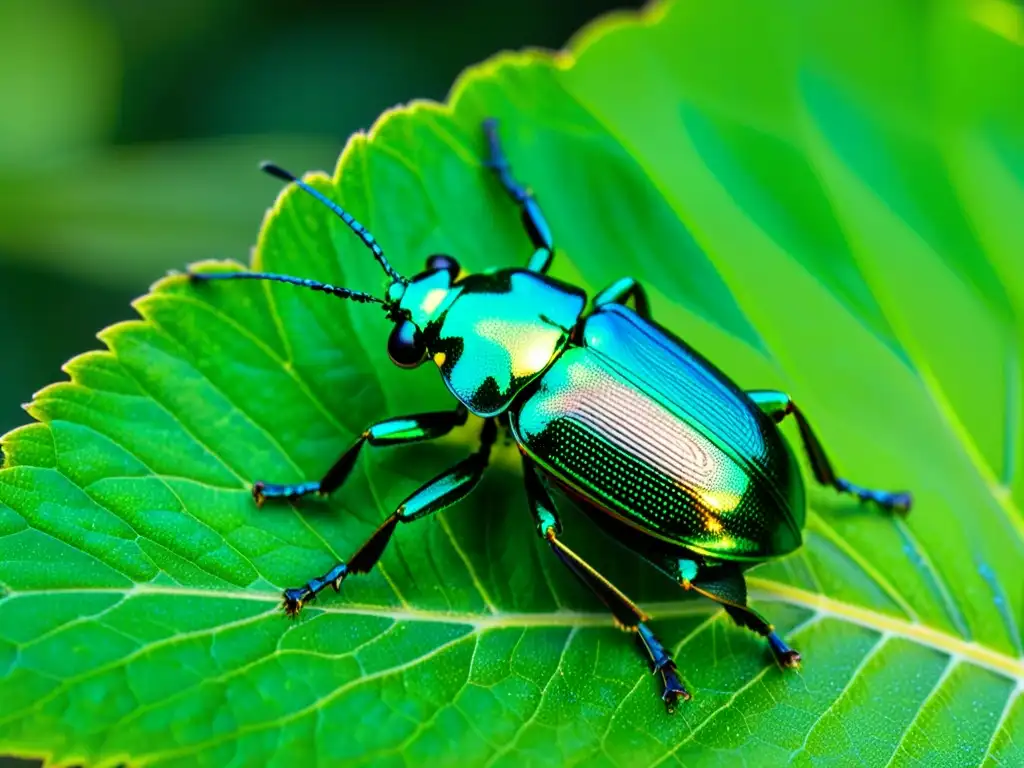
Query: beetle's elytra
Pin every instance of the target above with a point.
(649, 438)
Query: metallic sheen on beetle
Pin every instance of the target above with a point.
(655, 444)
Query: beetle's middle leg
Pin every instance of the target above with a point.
(779, 405)
(627, 614)
(444, 490)
(396, 431)
(533, 218)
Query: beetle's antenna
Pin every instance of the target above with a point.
(342, 293)
(342, 214)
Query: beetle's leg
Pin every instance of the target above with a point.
(626, 613)
(779, 405)
(444, 490)
(628, 616)
(725, 584)
(620, 292)
(396, 431)
(533, 218)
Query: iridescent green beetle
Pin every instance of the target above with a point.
(656, 444)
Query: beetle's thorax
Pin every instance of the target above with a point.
(424, 297)
(491, 333)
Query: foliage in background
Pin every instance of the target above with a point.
(131, 134)
(835, 220)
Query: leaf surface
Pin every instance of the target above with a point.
(819, 215)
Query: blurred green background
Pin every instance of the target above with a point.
(130, 133)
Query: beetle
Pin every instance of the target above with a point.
(649, 438)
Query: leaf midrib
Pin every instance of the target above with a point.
(764, 589)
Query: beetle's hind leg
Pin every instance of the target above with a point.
(627, 614)
(533, 218)
(725, 584)
(779, 405)
(397, 431)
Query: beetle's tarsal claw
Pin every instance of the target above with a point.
(786, 657)
(899, 501)
(790, 660)
(661, 663)
(890, 502)
(673, 696)
(294, 599)
(674, 690)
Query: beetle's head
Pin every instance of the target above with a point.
(505, 328)
(410, 303)
(413, 304)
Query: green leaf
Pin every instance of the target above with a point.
(824, 198)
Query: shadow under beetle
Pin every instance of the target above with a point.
(656, 444)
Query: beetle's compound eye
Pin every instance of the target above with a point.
(405, 345)
(443, 261)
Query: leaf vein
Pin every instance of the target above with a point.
(809, 622)
(954, 661)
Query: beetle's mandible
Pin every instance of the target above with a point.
(653, 442)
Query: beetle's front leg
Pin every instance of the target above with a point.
(397, 431)
(779, 405)
(621, 291)
(725, 584)
(444, 490)
(533, 218)
(627, 614)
